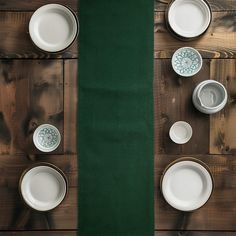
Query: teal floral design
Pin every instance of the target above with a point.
(186, 62)
(48, 137)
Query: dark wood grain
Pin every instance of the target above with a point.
(31, 94)
(218, 42)
(16, 42)
(15, 5)
(194, 233)
(216, 5)
(223, 125)
(173, 102)
(16, 215)
(219, 212)
(70, 105)
(39, 233)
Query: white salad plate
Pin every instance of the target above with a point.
(180, 132)
(53, 27)
(186, 185)
(46, 138)
(189, 18)
(43, 187)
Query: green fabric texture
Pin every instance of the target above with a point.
(115, 118)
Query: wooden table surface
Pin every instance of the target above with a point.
(37, 87)
(214, 137)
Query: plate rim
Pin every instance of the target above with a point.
(48, 165)
(76, 34)
(193, 159)
(178, 36)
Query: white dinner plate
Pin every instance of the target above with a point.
(43, 187)
(53, 27)
(180, 132)
(187, 185)
(189, 18)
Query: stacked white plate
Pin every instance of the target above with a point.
(187, 184)
(188, 18)
(43, 187)
(53, 27)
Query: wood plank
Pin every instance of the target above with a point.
(16, 42)
(216, 5)
(15, 5)
(222, 124)
(173, 102)
(218, 42)
(31, 93)
(219, 212)
(39, 233)
(16, 215)
(12, 166)
(70, 105)
(194, 233)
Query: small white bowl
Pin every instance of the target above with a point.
(43, 187)
(46, 138)
(180, 132)
(53, 27)
(186, 61)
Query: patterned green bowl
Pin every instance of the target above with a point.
(186, 61)
(46, 138)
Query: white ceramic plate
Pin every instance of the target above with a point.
(46, 138)
(189, 18)
(187, 185)
(43, 188)
(53, 27)
(180, 132)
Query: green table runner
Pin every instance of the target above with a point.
(115, 118)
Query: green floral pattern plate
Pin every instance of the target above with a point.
(187, 61)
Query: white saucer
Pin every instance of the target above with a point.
(189, 18)
(53, 27)
(43, 188)
(46, 138)
(187, 185)
(180, 132)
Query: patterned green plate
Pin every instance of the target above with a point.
(46, 138)
(186, 61)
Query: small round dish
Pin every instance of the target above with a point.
(43, 187)
(180, 132)
(186, 61)
(53, 27)
(189, 18)
(209, 97)
(187, 185)
(46, 138)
